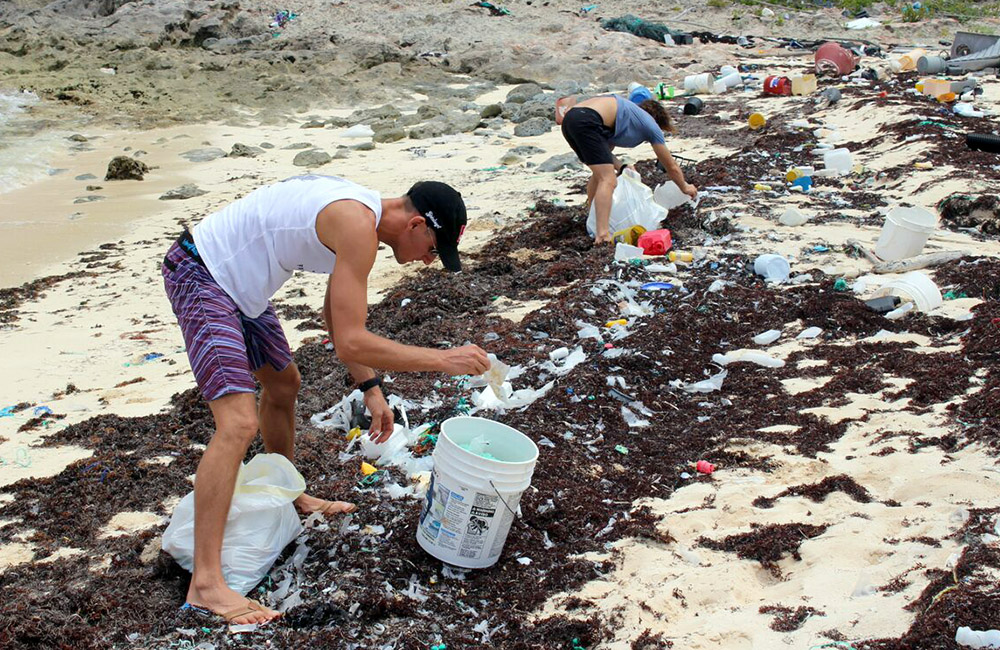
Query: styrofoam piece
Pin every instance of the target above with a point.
(768, 337)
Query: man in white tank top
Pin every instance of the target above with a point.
(220, 279)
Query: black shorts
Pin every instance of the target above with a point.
(586, 133)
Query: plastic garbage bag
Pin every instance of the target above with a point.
(262, 521)
(632, 204)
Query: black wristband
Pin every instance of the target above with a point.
(369, 384)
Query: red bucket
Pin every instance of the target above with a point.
(775, 85)
(835, 60)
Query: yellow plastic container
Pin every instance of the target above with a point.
(934, 87)
(756, 121)
(761, 187)
(909, 60)
(629, 236)
(680, 256)
(804, 84)
(946, 98)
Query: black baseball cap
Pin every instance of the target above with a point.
(442, 207)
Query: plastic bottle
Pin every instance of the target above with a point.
(975, 639)
(639, 94)
(680, 256)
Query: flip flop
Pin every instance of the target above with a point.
(249, 607)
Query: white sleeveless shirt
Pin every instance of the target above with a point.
(252, 246)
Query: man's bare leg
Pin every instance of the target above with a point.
(606, 181)
(276, 412)
(235, 427)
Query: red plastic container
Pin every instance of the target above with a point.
(655, 242)
(833, 59)
(775, 85)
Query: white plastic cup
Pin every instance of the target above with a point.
(471, 501)
(772, 267)
(839, 160)
(916, 287)
(904, 233)
(727, 70)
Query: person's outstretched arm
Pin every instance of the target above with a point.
(674, 170)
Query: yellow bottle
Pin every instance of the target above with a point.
(680, 256)
(761, 187)
(612, 323)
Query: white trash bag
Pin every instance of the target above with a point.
(262, 522)
(632, 204)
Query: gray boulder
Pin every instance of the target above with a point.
(244, 151)
(389, 135)
(527, 150)
(311, 158)
(124, 168)
(524, 92)
(369, 115)
(555, 163)
(187, 191)
(493, 110)
(313, 124)
(541, 106)
(534, 126)
(204, 155)
(298, 145)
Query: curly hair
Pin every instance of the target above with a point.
(659, 114)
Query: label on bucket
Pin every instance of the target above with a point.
(463, 526)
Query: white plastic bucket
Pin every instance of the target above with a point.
(904, 233)
(914, 286)
(471, 501)
(699, 83)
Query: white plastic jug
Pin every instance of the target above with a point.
(669, 195)
(839, 161)
(772, 267)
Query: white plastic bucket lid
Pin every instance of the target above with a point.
(915, 219)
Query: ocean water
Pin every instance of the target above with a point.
(28, 143)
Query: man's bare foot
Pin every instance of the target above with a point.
(309, 504)
(225, 602)
(603, 239)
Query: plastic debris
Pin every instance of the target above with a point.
(713, 383)
(368, 470)
(970, 638)
(768, 337)
(704, 467)
(810, 333)
(749, 356)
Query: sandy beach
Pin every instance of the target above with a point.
(855, 490)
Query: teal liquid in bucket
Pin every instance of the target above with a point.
(481, 468)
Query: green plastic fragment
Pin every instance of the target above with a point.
(840, 285)
(622, 449)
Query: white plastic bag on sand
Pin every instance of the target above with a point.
(262, 521)
(358, 131)
(631, 205)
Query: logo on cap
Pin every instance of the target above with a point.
(434, 222)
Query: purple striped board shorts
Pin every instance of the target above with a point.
(224, 347)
